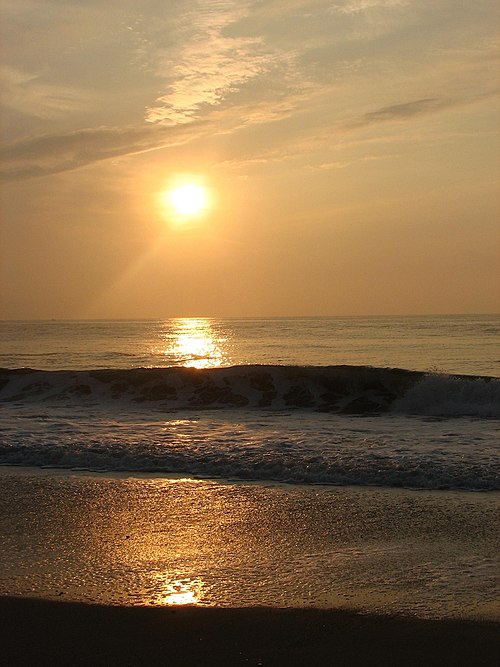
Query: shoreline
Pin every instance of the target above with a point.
(48, 471)
(66, 633)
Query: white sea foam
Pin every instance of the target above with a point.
(283, 446)
(451, 396)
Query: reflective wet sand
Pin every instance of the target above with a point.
(168, 542)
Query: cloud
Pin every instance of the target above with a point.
(27, 93)
(318, 143)
(403, 111)
(356, 6)
(209, 65)
(49, 154)
(408, 110)
(223, 48)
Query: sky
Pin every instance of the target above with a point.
(348, 151)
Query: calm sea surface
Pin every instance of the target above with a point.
(458, 344)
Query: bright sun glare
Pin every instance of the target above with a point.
(188, 199)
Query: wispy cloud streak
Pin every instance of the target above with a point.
(49, 154)
(408, 110)
(27, 93)
(403, 111)
(356, 6)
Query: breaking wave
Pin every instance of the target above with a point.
(336, 389)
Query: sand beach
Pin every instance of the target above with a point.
(136, 569)
(61, 633)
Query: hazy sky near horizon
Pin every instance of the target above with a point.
(349, 147)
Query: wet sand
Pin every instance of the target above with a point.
(144, 540)
(60, 633)
(131, 570)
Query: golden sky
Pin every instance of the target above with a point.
(343, 157)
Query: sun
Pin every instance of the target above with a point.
(187, 199)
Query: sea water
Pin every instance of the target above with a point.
(396, 402)
(259, 399)
(454, 344)
(330, 461)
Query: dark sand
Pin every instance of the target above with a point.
(39, 632)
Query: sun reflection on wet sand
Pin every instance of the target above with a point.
(146, 541)
(174, 592)
(194, 343)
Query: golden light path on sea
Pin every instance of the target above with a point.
(195, 344)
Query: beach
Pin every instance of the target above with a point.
(248, 502)
(57, 633)
(236, 573)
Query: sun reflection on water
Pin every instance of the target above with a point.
(194, 343)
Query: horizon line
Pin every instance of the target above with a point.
(243, 317)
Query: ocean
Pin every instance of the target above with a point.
(467, 344)
(359, 442)
(401, 402)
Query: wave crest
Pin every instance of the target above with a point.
(338, 389)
